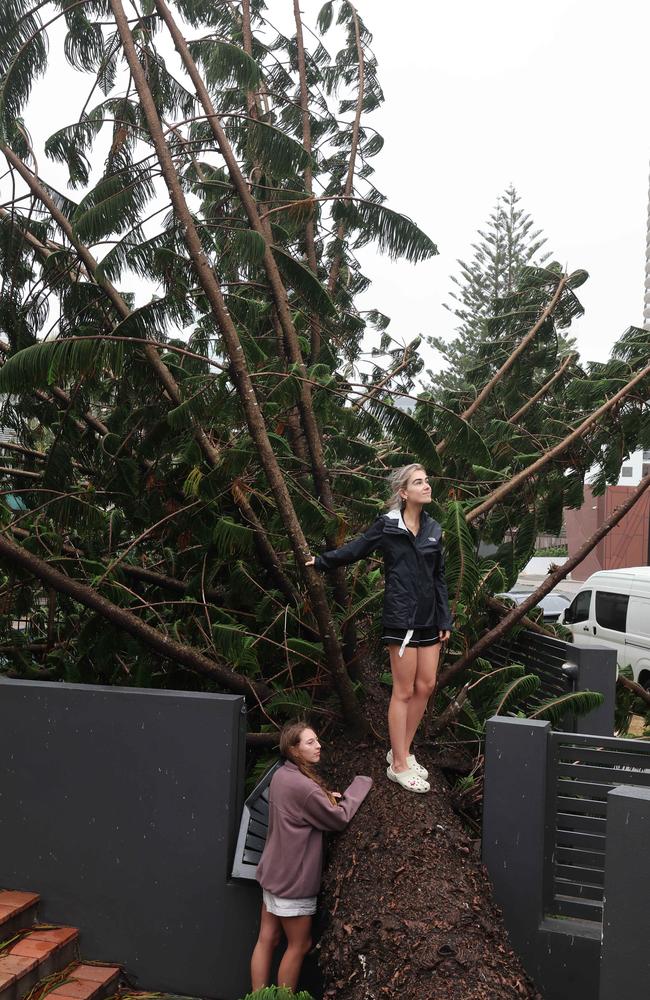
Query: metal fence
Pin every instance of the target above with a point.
(566, 825)
(541, 655)
(581, 773)
(562, 667)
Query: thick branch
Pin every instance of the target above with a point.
(310, 240)
(354, 146)
(504, 609)
(542, 392)
(502, 491)
(546, 587)
(276, 285)
(634, 687)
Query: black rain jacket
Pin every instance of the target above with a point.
(415, 594)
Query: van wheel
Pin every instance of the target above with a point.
(644, 680)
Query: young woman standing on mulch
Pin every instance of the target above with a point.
(416, 616)
(301, 809)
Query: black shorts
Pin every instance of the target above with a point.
(420, 637)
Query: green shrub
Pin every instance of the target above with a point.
(278, 993)
(553, 550)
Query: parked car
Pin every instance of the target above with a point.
(552, 605)
(613, 609)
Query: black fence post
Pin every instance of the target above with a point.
(625, 963)
(514, 805)
(593, 668)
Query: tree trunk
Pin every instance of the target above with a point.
(240, 374)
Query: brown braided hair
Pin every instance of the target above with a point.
(289, 739)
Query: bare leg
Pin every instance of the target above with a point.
(267, 942)
(298, 932)
(428, 658)
(404, 669)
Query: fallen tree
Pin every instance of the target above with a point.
(177, 459)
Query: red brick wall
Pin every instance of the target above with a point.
(625, 545)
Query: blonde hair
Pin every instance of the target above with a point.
(289, 739)
(398, 480)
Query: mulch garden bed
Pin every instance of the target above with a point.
(407, 904)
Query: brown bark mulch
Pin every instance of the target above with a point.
(407, 903)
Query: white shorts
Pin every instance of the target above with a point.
(289, 907)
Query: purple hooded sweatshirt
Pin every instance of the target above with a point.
(299, 813)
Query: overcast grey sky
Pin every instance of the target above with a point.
(552, 98)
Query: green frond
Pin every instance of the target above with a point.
(290, 703)
(68, 146)
(246, 247)
(225, 64)
(314, 518)
(204, 400)
(83, 45)
(117, 202)
(154, 319)
(192, 484)
(576, 703)
(463, 569)
(312, 651)
(325, 16)
(237, 647)
(23, 58)
(407, 432)
(517, 692)
(462, 438)
(230, 538)
(53, 361)
(305, 283)
(279, 153)
(171, 97)
(107, 71)
(395, 234)
(513, 555)
(485, 689)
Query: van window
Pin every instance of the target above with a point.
(611, 610)
(638, 617)
(579, 609)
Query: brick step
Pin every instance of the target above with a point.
(36, 955)
(17, 911)
(88, 982)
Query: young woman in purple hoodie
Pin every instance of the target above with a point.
(301, 809)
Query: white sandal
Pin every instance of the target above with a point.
(412, 764)
(408, 779)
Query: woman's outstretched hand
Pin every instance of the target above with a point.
(310, 561)
(444, 635)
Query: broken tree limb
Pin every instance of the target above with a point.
(124, 619)
(551, 581)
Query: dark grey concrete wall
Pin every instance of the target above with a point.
(625, 969)
(562, 957)
(513, 826)
(120, 807)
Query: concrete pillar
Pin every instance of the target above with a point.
(625, 963)
(593, 668)
(514, 822)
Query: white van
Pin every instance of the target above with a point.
(613, 609)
